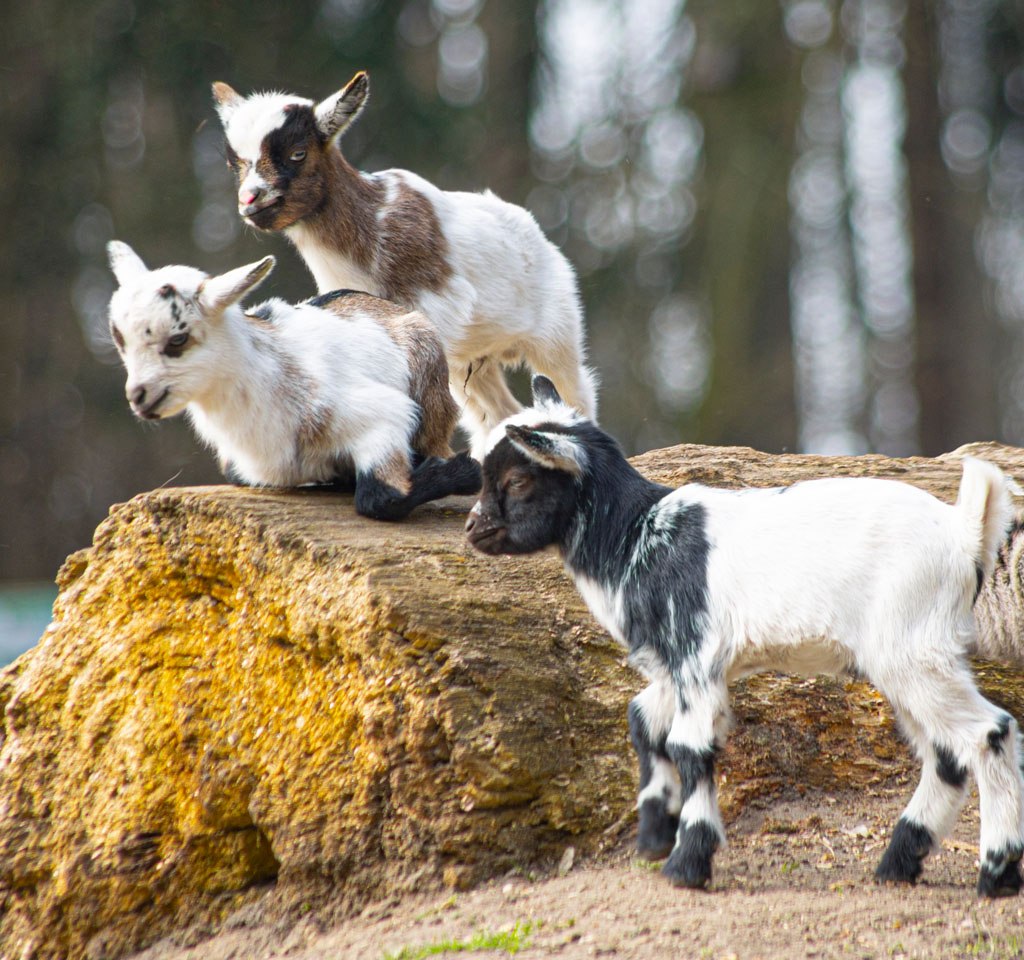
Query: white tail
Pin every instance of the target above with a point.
(986, 509)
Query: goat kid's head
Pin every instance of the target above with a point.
(162, 321)
(531, 477)
(276, 146)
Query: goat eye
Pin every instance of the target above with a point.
(176, 344)
(518, 483)
(297, 156)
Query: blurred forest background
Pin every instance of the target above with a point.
(798, 225)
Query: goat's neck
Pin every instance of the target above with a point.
(611, 508)
(252, 374)
(346, 220)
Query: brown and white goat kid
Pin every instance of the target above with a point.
(481, 269)
(344, 386)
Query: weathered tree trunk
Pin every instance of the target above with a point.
(243, 687)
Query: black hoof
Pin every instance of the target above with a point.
(465, 474)
(689, 864)
(1004, 882)
(656, 833)
(908, 847)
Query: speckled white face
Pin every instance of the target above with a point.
(161, 319)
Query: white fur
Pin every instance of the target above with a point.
(251, 387)
(511, 297)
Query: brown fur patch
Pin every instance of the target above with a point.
(428, 368)
(396, 473)
(413, 250)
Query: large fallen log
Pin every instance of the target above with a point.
(246, 688)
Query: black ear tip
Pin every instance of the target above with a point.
(544, 390)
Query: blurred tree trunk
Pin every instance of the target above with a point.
(958, 339)
(747, 93)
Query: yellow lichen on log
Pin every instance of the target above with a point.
(243, 687)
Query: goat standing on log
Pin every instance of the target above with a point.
(345, 386)
(480, 269)
(865, 577)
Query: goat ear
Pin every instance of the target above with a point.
(125, 262)
(556, 451)
(338, 112)
(225, 98)
(217, 293)
(544, 391)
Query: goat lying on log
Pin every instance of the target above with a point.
(479, 268)
(345, 386)
(866, 577)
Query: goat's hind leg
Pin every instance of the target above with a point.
(1001, 794)
(960, 731)
(931, 812)
(660, 798)
(392, 495)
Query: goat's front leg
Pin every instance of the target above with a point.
(659, 800)
(692, 745)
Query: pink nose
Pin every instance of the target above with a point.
(250, 196)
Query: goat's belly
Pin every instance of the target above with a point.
(806, 659)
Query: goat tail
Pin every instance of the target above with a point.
(985, 511)
(988, 524)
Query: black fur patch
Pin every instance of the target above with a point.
(296, 132)
(689, 864)
(997, 737)
(325, 298)
(695, 766)
(1005, 880)
(432, 479)
(948, 768)
(909, 845)
(656, 831)
(642, 744)
(665, 594)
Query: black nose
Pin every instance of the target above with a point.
(138, 396)
(471, 520)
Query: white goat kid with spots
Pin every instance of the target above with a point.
(866, 577)
(498, 292)
(345, 387)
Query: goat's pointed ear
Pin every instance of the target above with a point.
(225, 99)
(544, 391)
(125, 262)
(220, 292)
(338, 112)
(556, 451)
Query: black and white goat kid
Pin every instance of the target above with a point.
(342, 387)
(850, 576)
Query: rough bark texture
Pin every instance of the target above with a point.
(248, 687)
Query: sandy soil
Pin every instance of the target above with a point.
(795, 881)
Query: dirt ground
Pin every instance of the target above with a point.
(795, 881)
